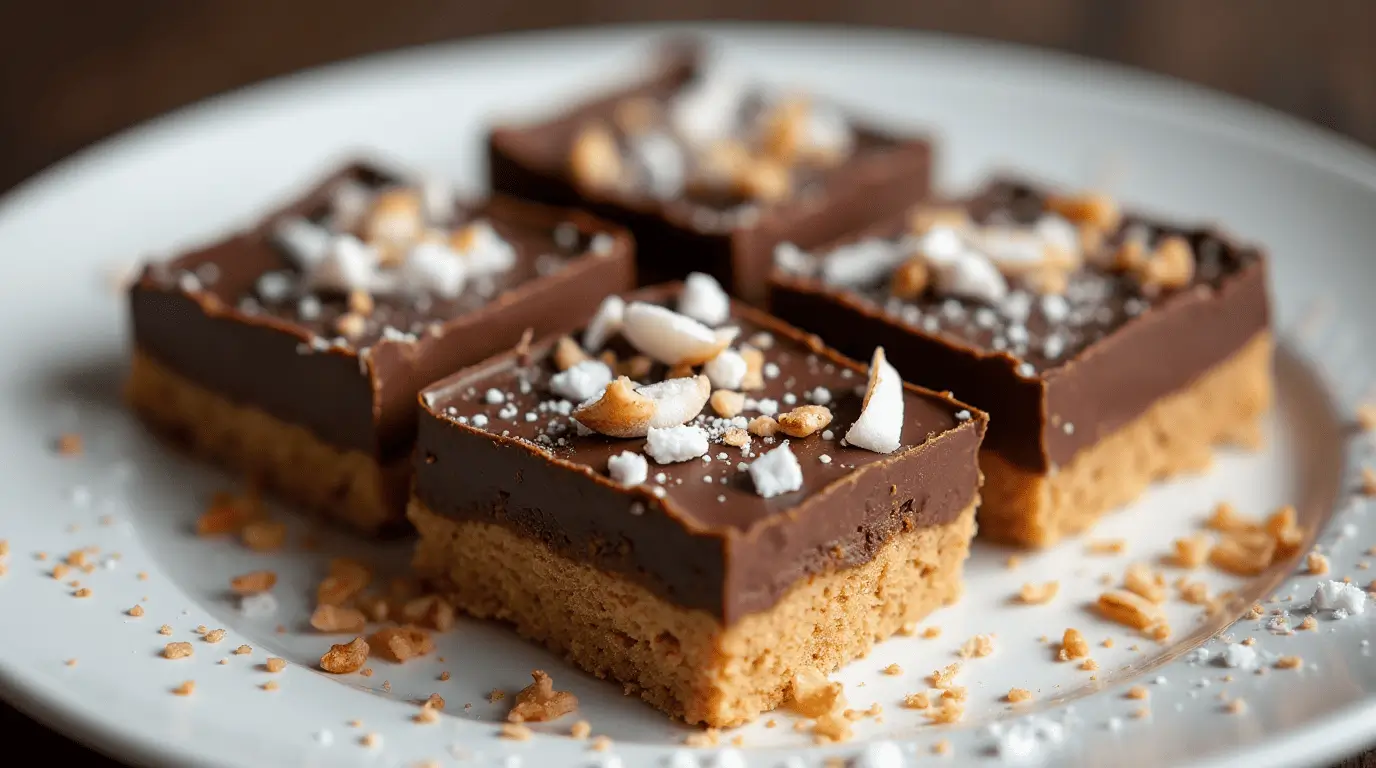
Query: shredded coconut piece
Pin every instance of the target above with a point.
(433, 267)
(726, 370)
(583, 380)
(672, 338)
(704, 300)
(668, 445)
(776, 472)
(879, 427)
(605, 323)
(628, 468)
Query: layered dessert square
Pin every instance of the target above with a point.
(1110, 349)
(710, 173)
(293, 351)
(694, 499)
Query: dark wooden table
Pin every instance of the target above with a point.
(70, 76)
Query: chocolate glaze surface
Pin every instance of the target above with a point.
(1056, 376)
(726, 237)
(206, 316)
(696, 533)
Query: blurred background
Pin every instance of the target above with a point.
(72, 73)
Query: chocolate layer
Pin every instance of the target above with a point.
(729, 239)
(715, 546)
(205, 316)
(1082, 371)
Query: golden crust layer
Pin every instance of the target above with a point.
(684, 661)
(1176, 435)
(343, 485)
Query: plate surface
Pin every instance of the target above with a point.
(85, 666)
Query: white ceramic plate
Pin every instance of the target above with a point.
(185, 178)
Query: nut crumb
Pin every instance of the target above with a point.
(136, 611)
(330, 618)
(343, 658)
(185, 689)
(917, 700)
(944, 677)
(601, 744)
(893, 670)
(931, 632)
(977, 646)
(1309, 623)
(68, 444)
(1039, 594)
(1137, 692)
(1089, 665)
(177, 650)
(253, 582)
(1141, 580)
(804, 420)
(1018, 695)
(1107, 547)
(83, 592)
(580, 730)
(1316, 563)
(214, 636)
(763, 426)
(243, 650)
(1128, 609)
(400, 644)
(264, 535)
(727, 404)
(270, 685)
(165, 630)
(539, 701)
(1073, 645)
(1289, 662)
(274, 664)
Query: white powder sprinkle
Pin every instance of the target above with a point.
(1238, 656)
(1337, 596)
(480, 421)
(776, 472)
(674, 444)
(580, 382)
(628, 468)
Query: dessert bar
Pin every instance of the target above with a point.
(293, 351)
(710, 173)
(1110, 350)
(694, 499)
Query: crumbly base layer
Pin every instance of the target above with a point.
(680, 660)
(346, 486)
(1176, 435)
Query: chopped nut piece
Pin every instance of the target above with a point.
(401, 643)
(619, 412)
(594, 158)
(539, 701)
(1089, 665)
(343, 658)
(893, 669)
(1039, 594)
(214, 636)
(910, 280)
(330, 618)
(727, 404)
(515, 732)
(1243, 554)
(1170, 265)
(580, 729)
(944, 677)
(264, 535)
(1137, 692)
(813, 695)
(83, 592)
(754, 368)
(737, 437)
(1191, 551)
(1309, 623)
(1141, 580)
(1225, 519)
(136, 611)
(1073, 645)
(1316, 563)
(253, 582)
(185, 689)
(804, 420)
(243, 650)
(164, 630)
(977, 646)
(360, 302)
(1018, 695)
(1128, 609)
(950, 712)
(177, 650)
(764, 426)
(568, 353)
(1092, 209)
(1289, 662)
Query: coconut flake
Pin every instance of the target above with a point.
(704, 300)
(879, 427)
(305, 242)
(668, 445)
(605, 324)
(349, 203)
(663, 161)
(348, 265)
(581, 381)
(776, 472)
(628, 468)
(437, 200)
(486, 252)
(672, 338)
(727, 370)
(706, 109)
(677, 400)
(432, 267)
(1238, 656)
(1338, 596)
(863, 262)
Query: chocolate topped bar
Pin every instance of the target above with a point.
(334, 311)
(709, 173)
(694, 499)
(696, 528)
(1065, 318)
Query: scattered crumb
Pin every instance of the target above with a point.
(1256, 611)
(270, 685)
(977, 646)
(426, 716)
(1073, 645)
(1129, 609)
(243, 650)
(539, 701)
(1366, 417)
(1191, 551)
(1143, 581)
(1108, 642)
(1012, 562)
(1316, 563)
(68, 444)
(908, 630)
(1039, 594)
(177, 650)
(214, 636)
(165, 630)
(1141, 713)
(495, 695)
(918, 700)
(1309, 623)
(1089, 665)
(274, 664)
(70, 662)
(942, 747)
(1018, 695)
(253, 582)
(444, 676)
(580, 729)
(371, 740)
(1107, 547)
(711, 737)
(343, 658)
(400, 644)
(893, 670)
(944, 677)
(1289, 662)
(931, 632)
(83, 592)
(600, 744)
(264, 535)
(185, 689)
(813, 695)
(1138, 692)
(1235, 707)
(136, 611)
